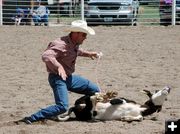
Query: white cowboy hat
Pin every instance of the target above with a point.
(80, 26)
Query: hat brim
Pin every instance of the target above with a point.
(87, 30)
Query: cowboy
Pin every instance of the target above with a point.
(60, 58)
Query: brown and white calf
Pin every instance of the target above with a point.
(90, 108)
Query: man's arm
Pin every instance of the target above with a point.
(49, 57)
(89, 54)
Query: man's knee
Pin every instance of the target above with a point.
(98, 89)
(94, 87)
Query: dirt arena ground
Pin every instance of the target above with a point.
(135, 58)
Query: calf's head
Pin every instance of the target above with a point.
(154, 104)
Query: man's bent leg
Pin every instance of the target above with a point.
(81, 85)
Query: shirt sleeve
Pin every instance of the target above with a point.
(51, 53)
(81, 52)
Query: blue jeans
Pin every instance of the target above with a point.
(40, 19)
(74, 83)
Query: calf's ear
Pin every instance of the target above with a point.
(148, 93)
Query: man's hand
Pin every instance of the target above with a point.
(62, 73)
(94, 55)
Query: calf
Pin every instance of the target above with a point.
(95, 108)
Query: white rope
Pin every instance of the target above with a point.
(99, 55)
(96, 70)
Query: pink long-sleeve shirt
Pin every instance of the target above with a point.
(61, 52)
